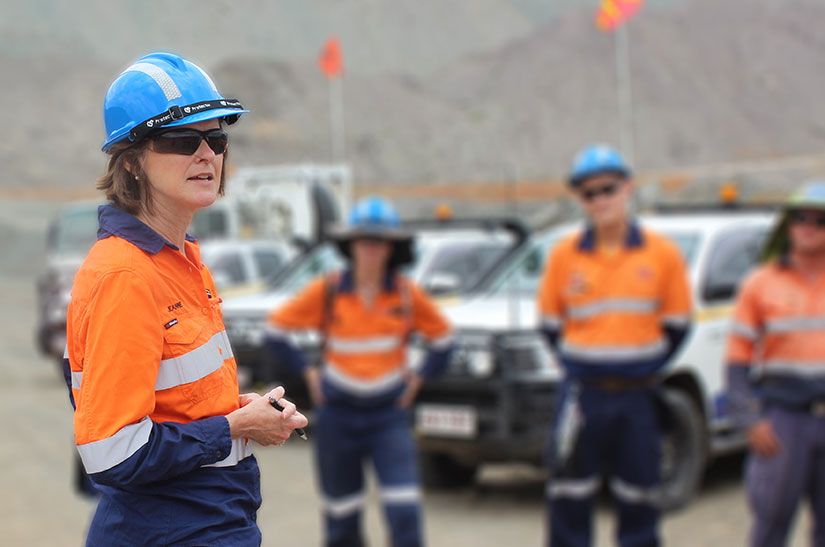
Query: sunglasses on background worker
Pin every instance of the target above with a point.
(607, 189)
(810, 218)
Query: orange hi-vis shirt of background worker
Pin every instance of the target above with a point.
(365, 347)
(777, 340)
(617, 312)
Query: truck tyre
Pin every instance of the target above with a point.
(684, 450)
(440, 471)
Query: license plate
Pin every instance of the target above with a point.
(447, 421)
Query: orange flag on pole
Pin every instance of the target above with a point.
(331, 60)
(613, 13)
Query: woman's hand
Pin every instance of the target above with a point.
(312, 377)
(414, 383)
(258, 421)
(763, 440)
(246, 398)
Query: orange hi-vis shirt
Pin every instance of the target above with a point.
(366, 347)
(613, 311)
(152, 371)
(778, 334)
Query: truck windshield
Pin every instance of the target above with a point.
(457, 265)
(306, 267)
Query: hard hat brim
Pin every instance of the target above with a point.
(230, 113)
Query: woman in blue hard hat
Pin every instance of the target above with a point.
(159, 423)
(363, 389)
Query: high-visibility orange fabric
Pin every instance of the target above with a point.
(617, 299)
(131, 314)
(364, 342)
(779, 322)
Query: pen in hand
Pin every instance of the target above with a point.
(298, 430)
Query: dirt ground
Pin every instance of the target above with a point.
(39, 508)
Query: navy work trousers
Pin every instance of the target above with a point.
(620, 439)
(777, 484)
(346, 439)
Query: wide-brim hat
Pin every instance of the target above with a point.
(401, 240)
(810, 196)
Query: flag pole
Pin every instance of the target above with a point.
(624, 93)
(336, 119)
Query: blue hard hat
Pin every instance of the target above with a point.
(375, 218)
(162, 90)
(374, 215)
(595, 160)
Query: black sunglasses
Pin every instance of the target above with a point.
(607, 189)
(808, 217)
(186, 141)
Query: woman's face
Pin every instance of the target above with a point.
(185, 182)
(371, 254)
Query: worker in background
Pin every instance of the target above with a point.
(615, 307)
(159, 424)
(362, 389)
(776, 373)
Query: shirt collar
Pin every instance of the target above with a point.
(633, 240)
(117, 222)
(347, 283)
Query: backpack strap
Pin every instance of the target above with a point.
(405, 291)
(332, 282)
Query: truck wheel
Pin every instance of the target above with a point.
(684, 450)
(440, 471)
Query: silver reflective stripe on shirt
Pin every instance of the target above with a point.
(373, 344)
(241, 449)
(613, 305)
(400, 495)
(443, 343)
(614, 353)
(744, 331)
(77, 379)
(194, 365)
(794, 324)
(345, 506)
(804, 369)
(573, 488)
(361, 387)
(676, 320)
(106, 453)
(552, 322)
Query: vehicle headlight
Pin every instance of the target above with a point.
(527, 352)
(473, 355)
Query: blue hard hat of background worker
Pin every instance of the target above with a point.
(597, 159)
(375, 218)
(162, 90)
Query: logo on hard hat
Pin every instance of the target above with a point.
(223, 103)
(187, 109)
(150, 123)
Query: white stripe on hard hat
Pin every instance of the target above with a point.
(164, 81)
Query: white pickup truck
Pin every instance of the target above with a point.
(496, 401)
